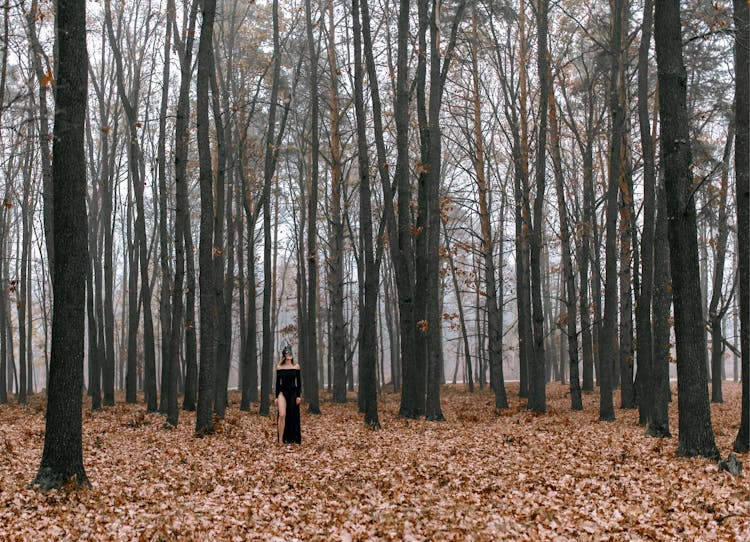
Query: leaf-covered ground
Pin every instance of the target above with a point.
(477, 476)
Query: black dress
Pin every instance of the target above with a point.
(289, 382)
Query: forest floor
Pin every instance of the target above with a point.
(477, 476)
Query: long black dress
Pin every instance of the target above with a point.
(289, 382)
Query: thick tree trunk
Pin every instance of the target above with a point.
(742, 173)
(62, 458)
(696, 435)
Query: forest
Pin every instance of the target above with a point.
(508, 242)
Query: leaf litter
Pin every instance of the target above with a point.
(478, 476)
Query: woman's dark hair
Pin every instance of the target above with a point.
(286, 351)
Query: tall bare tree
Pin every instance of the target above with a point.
(62, 457)
(696, 435)
(742, 174)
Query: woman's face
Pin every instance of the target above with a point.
(288, 357)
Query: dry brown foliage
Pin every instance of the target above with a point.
(478, 476)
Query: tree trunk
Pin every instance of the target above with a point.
(695, 432)
(537, 385)
(742, 172)
(658, 421)
(220, 356)
(165, 316)
(208, 310)
(402, 256)
(62, 457)
(644, 338)
(268, 171)
(494, 318)
(368, 344)
(310, 361)
(608, 332)
(135, 159)
(567, 265)
(715, 313)
(336, 259)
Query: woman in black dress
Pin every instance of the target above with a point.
(288, 391)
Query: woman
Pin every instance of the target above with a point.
(288, 390)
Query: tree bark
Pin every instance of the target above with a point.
(658, 420)
(62, 457)
(537, 384)
(268, 171)
(742, 173)
(208, 310)
(336, 260)
(716, 313)
(576, 402)
(310, 361)
(695, 432)
(165, 316)
(644, 337)
(368, 345)
(497, 380)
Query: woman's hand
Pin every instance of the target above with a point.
(298, 400)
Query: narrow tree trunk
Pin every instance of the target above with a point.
(310, 362)
(644, 338)
(716, 314)
(497, 380)
(537, 387)
(462, 322)
(336, 259)
(368, 344)
(268, 171)
(165, 316)
(208, 310)
(567, 271)
(658, 420)
(609, 326)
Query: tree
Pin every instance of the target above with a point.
(576, 401)
(368, 348)
(695, 432)
(269, 167)
(130, 105)
(335, 260)
(310, 361)
(537, 384)
(208, 310)
(644, 337)
(494, 316)
(742, 174)
(62, 457)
